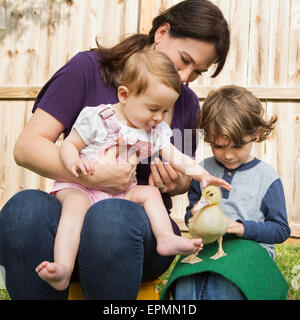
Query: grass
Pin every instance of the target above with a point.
(287, 260)
(4, 295)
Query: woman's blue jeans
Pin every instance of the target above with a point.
(206, 286)
(117, 248)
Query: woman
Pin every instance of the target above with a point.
(117, 248)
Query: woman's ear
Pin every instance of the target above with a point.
(123, 93)
(161, 32)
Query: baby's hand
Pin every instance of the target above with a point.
(83, 165)
(207, 179)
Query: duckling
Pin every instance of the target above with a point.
(208, 222)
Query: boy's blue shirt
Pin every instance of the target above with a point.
(256, 200)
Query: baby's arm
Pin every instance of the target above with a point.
(189, 167)
(69, 153)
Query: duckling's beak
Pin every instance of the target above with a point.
(202, 203)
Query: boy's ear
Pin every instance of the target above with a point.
(123, 93)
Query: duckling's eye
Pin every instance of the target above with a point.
(211, 194)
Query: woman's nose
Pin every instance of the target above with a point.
(184, 75)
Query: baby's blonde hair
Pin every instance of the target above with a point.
(149, 65)
(235, 113)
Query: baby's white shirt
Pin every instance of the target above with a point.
(90, 127)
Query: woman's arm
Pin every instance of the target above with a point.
(36, 150)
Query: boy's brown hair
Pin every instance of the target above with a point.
(146, 66)
(234, 112)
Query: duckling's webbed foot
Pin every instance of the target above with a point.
(191, 259)
(220, 252)
(218, 255)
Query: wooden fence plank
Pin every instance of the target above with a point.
(294, 45)
(289, 94)
(19, 93)
(279, 43)
(258, 43)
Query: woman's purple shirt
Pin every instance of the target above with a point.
(79, 83)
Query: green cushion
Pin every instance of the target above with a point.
(247, 265)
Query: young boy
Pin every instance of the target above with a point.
(232, 120)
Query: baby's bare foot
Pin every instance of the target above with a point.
(173, 244)
(57, 275)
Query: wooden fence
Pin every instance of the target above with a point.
(39, 36)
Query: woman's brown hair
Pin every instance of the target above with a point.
(196, 19)
(234, 112)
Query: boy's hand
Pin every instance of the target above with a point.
(83, 165)
(207, 179)
(235, 227)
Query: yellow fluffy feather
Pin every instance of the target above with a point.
(208, 222)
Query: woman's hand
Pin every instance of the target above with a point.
(167, 179)
(111, 175)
